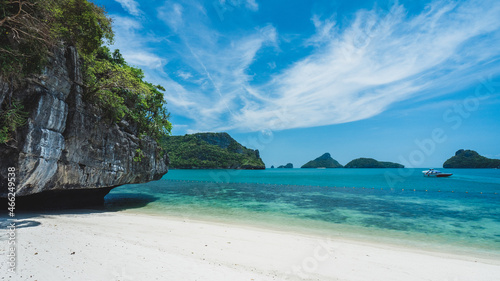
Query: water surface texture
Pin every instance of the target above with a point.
(461, 212)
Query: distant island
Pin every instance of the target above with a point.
(470, 159)
(210, 151)
(371, 163)
(287, 166)
(324, 161)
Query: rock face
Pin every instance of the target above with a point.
(324, 161)
(287, 166)
(371, 163)
(67, 150)
(210, 151)
(470, 159)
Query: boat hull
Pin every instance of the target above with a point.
(443, 175)
(435, 173)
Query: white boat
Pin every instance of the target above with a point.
(435, 173)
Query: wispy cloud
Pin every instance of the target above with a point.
(217, 62)
(252, 5)
(171, 14)
(131, 6)
(132, 43)
(184, 75)
(380, 58)
(149, 60)
(324, 31)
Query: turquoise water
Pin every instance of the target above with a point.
(388, 205)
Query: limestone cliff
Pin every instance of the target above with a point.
(67, 151)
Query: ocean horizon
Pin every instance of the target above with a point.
(394, 206)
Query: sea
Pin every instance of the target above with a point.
(459, 214)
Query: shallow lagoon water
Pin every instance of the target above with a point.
(460, 213)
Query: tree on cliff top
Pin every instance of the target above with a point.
(31, 29)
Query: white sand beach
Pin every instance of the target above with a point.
(124, 246)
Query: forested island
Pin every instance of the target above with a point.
(371, 163)
(470, 159)
(324, 161)
(210, 151)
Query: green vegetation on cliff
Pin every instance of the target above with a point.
(31, 29)
(10, 119)
(324, 161)
(210, 151)
(371, 163)
(470, 159)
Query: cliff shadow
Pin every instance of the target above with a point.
(26, 217)
(126, 200)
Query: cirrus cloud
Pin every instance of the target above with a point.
(351, 72)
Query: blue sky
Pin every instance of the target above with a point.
(403, 81)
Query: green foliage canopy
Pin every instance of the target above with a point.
(198, 151)
(112, 84)
(31, 29)
(10, 119)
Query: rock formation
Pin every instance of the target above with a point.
(67, 153)
(287, 166)
(324, 161)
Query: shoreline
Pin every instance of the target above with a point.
(316, 228)
(345, 233)
(136, 246)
